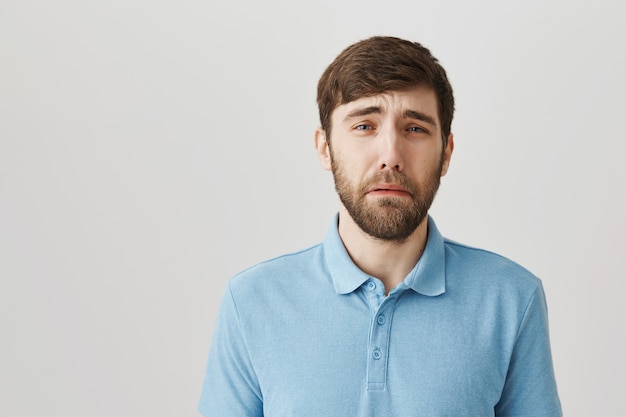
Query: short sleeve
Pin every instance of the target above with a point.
(530, 387)
(230, 383)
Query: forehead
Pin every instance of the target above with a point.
(419, 99)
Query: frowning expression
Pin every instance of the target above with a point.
(387, 156)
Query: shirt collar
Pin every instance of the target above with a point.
(427, 277)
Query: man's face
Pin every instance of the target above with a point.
(387, 157)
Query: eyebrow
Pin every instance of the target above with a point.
(363, 111)
(410, 114)
(418, 115)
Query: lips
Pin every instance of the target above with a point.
(388, 187)
(389, 190)
(388, 183)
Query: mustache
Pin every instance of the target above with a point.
(390, 177)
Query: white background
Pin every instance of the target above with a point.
(149, 150)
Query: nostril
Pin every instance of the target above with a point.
(395, 167)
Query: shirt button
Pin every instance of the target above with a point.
(371, 285)
(380, 320)
(377, 354)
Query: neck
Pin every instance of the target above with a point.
(388, 261)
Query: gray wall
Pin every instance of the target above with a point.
(151, 149)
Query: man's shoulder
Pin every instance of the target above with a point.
(486, 265)
(283, 267)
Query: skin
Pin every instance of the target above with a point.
(374, 141)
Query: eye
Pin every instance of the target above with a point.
(416, 129)
(363, 127)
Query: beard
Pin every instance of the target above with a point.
(390, 219)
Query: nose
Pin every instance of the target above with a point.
(390, 153)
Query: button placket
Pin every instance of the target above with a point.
(378, 350)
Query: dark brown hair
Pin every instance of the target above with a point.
(380, 64)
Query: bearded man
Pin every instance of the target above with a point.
(385, 317)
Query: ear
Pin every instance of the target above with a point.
(447, 154)
(322, 148)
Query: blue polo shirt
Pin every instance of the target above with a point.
(311, 335)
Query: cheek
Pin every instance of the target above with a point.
(351, 162)
(426, 169)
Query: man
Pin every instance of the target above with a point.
(385, 317)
